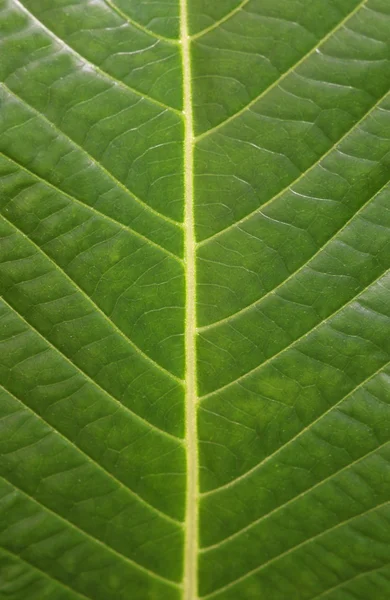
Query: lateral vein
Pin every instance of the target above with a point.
(71, 362)
(320, 42)
(91, 208)
(222, 20)
(62, 42)
(44, 573)
(90, 459)
(299, 269)
(96, 307)
(108, 173)
(303, 494)
(90, 537)
(350, 580)
(138, 25)
(293, 549)
(257, 466)
(334, 147)
(292, 344)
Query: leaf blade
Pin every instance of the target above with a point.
(194, 327)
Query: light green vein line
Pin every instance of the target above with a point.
(337, 27)
(348, 581)
(118, 183)
(118, 82)
(46, 575)
(93, 209)
(228, 16)
(298, 435)
(84, 374)
(293, 549)
(271, 358)
(294, 273)
(334, 147)
(109, 549)
(190, 581)
(91, 302)
(126, 17)
(265, 517)
(291, 501)
(90, 459)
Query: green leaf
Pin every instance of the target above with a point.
(194, 323)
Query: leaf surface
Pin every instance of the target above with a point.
(194, 313)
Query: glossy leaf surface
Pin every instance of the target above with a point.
(194, 323)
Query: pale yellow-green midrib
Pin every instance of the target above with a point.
(191, 521)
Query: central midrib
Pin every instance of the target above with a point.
(190, 583)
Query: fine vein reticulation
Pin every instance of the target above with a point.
(194, 313)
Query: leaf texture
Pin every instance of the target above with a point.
(194, 313)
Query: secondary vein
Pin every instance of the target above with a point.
(70, 49)
(100, 165)
(293, 549)
(138, 25)
(93, 303)
(90, 207)
(292, 344)
(283, 76)
(222, 20)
